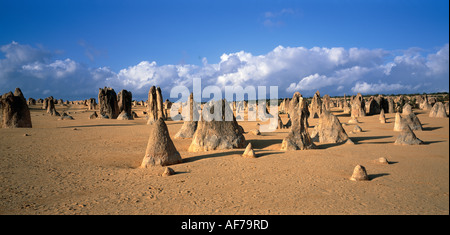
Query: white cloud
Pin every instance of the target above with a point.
(379, 88)
(333, 71)
(438, 63)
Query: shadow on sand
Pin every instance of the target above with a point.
(374, 176)
(261, 144)
(212, 155)
(104, 125)
(358, 139)
(431, 128)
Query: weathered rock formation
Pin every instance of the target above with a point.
(410, 120)
(316, 105)
(94, 115)
(91, 103)
(391, 106)
(373, 106)
(382, 117)
(357, 104)
(329, 129)
(213, 134)
(189, 127)
(407, 137)
(65, 116)
(155, 105)
(124, 103)
(438, 111)
(359, 174)
(298, 137)
(107, 100)
(160, 149)
(51, 107)
(326, 102)
(15, 112)
(399, 122)
(249, 153)
(407, 109)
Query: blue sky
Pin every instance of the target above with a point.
(333, 46)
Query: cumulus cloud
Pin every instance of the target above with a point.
(34, 71)
(364, 87)
(333, 71)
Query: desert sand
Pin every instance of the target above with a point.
(85, 166)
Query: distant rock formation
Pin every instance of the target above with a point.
(51, 107)
(91, 103)
(316, 105)
(357, 104)
(124, 103)
(94, 115)
(107, 100)
(438, 111)
(382, 117)
(407, 109)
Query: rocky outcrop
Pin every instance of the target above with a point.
(15, 112)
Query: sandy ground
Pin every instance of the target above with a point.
(94, 169)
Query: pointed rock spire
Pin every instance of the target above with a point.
(249, 153)
(160, 149)
(407, 137)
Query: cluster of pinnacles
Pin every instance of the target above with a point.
(226, 133)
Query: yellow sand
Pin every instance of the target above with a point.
(95, 170)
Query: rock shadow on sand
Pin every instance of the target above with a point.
(211, 155)
(358, 139)
(102, 125)
(431, 128)
(264, 143)
(374, 176)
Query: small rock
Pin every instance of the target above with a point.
(249, 153)
(353, 120)
(168, 171)
(349, 142)
(255, 132)
(26, 134)
(357, 129)
(359, 174)
(383, 160)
